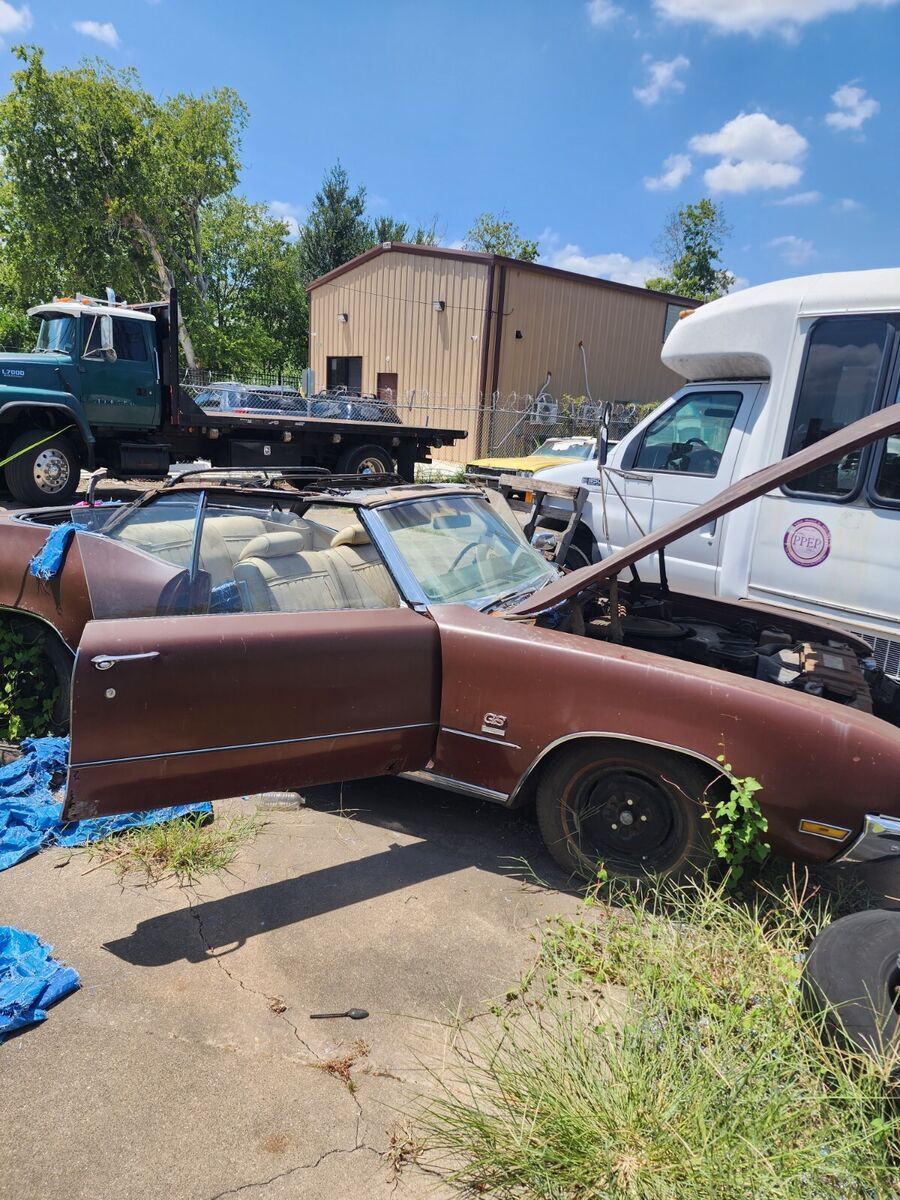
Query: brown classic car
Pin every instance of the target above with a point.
(234, 638)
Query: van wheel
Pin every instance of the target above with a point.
(852, 976)
(365, 460)
(45, 473)
(635, 812)
(581, 549)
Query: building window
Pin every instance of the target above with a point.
(672, 314)
(345, 372)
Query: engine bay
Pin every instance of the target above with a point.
(790, 653)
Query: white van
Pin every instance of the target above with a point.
(770, 370)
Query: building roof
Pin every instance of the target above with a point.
(474, 256)
(746, 335)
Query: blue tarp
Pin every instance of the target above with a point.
(47, 562)
(30, 817)
(30, 980)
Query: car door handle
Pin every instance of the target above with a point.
(104, 661)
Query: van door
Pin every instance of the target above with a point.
(685, 456)
(828, 543)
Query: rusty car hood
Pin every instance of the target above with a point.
(870, 429)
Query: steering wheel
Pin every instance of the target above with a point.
(685, 453)
(468, 546)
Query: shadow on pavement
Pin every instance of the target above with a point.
(457, 834)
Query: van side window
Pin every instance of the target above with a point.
(690, 437)
(839, 386)
(887, 481)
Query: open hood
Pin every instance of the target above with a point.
(870, 429)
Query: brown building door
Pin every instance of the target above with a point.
(386, 386)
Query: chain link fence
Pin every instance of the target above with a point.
(504, 425)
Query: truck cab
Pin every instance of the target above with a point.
(770, 371)
(111, 355)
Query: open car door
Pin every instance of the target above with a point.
(172, 710)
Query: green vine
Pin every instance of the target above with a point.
(29, 688)
(739, 826)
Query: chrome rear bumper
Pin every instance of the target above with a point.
(878, 842)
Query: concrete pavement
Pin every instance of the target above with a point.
(187, 1065)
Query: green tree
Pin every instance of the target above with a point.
(107, 182)
(691, 246)
(253, 311)
(386, 229)
(495, 233)
(336, 229)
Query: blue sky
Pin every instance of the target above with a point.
(588, 122)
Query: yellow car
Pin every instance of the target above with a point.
(552, 453)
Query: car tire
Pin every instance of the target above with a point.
(44, 474)
(633, 812)
(852, 977)
(365, 460)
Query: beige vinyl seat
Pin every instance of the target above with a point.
(221, 546)
(276, 573)
(355, 549)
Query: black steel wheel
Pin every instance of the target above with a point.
(636, 812)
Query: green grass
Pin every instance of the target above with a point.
(708, 1080)
(186, 847)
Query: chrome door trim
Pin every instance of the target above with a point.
(317, 737)
(480, 737)
(455, 785)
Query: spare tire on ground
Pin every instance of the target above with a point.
(852, 976)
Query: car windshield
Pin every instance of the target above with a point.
(566, 448)
(460, 549)
(57, 335)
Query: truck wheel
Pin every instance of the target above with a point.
(635, 812)
(46, 474)
(364, 460)
(852, 976)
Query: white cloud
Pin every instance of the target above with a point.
(602, 12)
(14, 20)
(750, 176)
(755, 152)
(794, 250)
(100, 31)
(785, 17)
(847, 204)
(797, 199)
(675, 171)
(291, 214)
(618, 267)
(754, 136)
(852, 107)
(662, 77)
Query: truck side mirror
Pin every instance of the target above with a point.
(603, 434)
(107, 348)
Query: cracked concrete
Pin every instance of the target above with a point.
(187, 1066)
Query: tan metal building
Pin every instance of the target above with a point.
(441, 331)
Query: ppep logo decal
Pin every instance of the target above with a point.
(807, 542)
